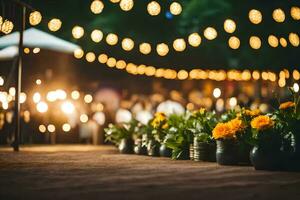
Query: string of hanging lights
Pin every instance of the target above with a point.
(153, 7)
(195, 74)
(6, 26)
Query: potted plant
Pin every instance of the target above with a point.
(227, 144)
(140, 147)
(202, 123)
(287, 119)
(265, 154)
(159, 131)
(121, 135)
(179, 137)
(244, 137)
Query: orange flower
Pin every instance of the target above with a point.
(236, 125)
(286, 105)
(222, 131)
(262, 122)
(252, 113)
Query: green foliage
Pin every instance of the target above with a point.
(179, 135)
(201, 123)
(288, 123)
(228, 115)
(116, 132)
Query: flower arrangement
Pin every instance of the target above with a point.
(228, 130)
(179, 136)
(262, 122)
(201, 123)
(234, 132)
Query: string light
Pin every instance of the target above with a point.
(126, 5)
(121, 64)
(234, 42)
(210, 33)
(255, 16)
(127, 44)
(111, 62)
(255, 42)
(90, 57)
(54, 24)
(66, 127)
(102, 58)
(36, 50)
(294, 39)
(97, 36)
(35, 18)
(97, 6)
(84, 118)
(26, 50)
(112, 39)
(88, 98)
(179, 45)
(7, 27)
(42, 128)
(75, 95)
(283, 42)
(295, 13)
(273, 41)
(296, 75)
(115, 1)
(145, 48)
(194, 39)
(78, 53)
(182, 75)
(153, 8)
(278, 15)
(77, 32)
(229, 26)
(175, 8)
(162, 49)
(51, 128)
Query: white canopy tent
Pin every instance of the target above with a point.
(33, 38)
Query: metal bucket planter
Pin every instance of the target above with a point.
(139, 149)
(126, 146)
(165, 151)
(265, 159)
(204, 151)
(227, 152)
(153, 148)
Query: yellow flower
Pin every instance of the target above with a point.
(155, 123)
(262, 122)
(222, 131)
(158, 119)
(286, 105)
(202, 111)
(236, 125)
(165, 126)
(252, 113)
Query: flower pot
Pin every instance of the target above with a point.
(126, 146)
(192, 152)
(265, 158)
(227, 152)
(139, 149)
(204, 151)
(165, 151)
(153, 148)
(185, 154)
